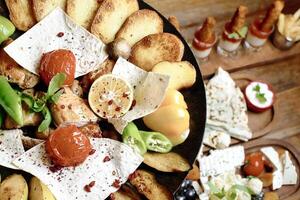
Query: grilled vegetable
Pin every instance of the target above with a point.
(14, 187)
(132, 137)
(156, 141)
(6, 28)
(10, 101)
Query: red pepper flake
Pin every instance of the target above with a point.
(118, 109)
(116, 183)
(62, 106)
(125, 95)
(87, 188)
(133, 104)
(92, 184)
(55, 168)
(110, 102)
(132, 176)
(60, 34)
(106, 159)
(92, 151)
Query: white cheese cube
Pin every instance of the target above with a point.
(277, 180)
(289, 170)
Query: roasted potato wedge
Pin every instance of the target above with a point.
(194, 174)
(21, 13)
(14, 187)
(14, 73)
(42, 8)
(166, 162)
(147, 185)
(156, 48)
(135, 28)
(82, 12)
(39, 191)
(125, 193)
(182, 74)
(110, 17)
(88, 79)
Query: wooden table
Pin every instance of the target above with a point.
(282, 72)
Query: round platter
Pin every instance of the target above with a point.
(196, 101)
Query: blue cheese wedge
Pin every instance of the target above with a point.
(105, 170)
(57, 31)
(226, 107)
(220, 161)
(149, 91)
(11, 147)
(290, 175)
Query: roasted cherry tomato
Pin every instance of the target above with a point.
(254, 164)
(68, 146)
(58, 61)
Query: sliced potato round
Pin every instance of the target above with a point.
(39, 191)
(182, 74)
(43, 8)
(14, 187)
(166, 162)
(110, 17)
(156, 48)
(139, 25)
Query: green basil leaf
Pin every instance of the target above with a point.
(54, 98)
(234, 35)
(256, 88)
(44, 125)
(38, 105)
(243, 32)
(56, 83)
(261, 97)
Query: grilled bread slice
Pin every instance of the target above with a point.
(156, 48)
(110, 17)
(82, 12)
(21, 13)
(139, 25)
(42, 8)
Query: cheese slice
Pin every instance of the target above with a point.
(290, 175)
(216, 138)
(226, 107)
(11, 147)
(149, 91)
(273, 157)
(68, 183)
(57, 31)
(220, 161)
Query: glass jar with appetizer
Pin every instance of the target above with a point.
(261, 29)
(234, 32)
(205, 38)
(287, 31)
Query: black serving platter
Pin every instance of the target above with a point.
(194, 97)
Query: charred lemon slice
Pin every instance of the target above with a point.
(110, 96)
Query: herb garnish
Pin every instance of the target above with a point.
(260, 96)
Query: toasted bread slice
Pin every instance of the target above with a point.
(139, 25)
(156, 48)
(110, 17)
(147, 185)
(182, 74)
(21, 13)
(82, 12)
(42, 8)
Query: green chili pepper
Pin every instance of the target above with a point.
(1, 117)
(10, 101)
(132, 137)
(156, 141)
(6, 28)
(47, 120)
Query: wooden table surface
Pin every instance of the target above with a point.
(283, 75)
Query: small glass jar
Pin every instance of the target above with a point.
(228, 46)
(202, 49)
(256, 38)
(282, 42)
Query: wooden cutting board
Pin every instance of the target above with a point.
(291, 192)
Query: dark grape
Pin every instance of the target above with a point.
(258, 196)
(186, 191)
